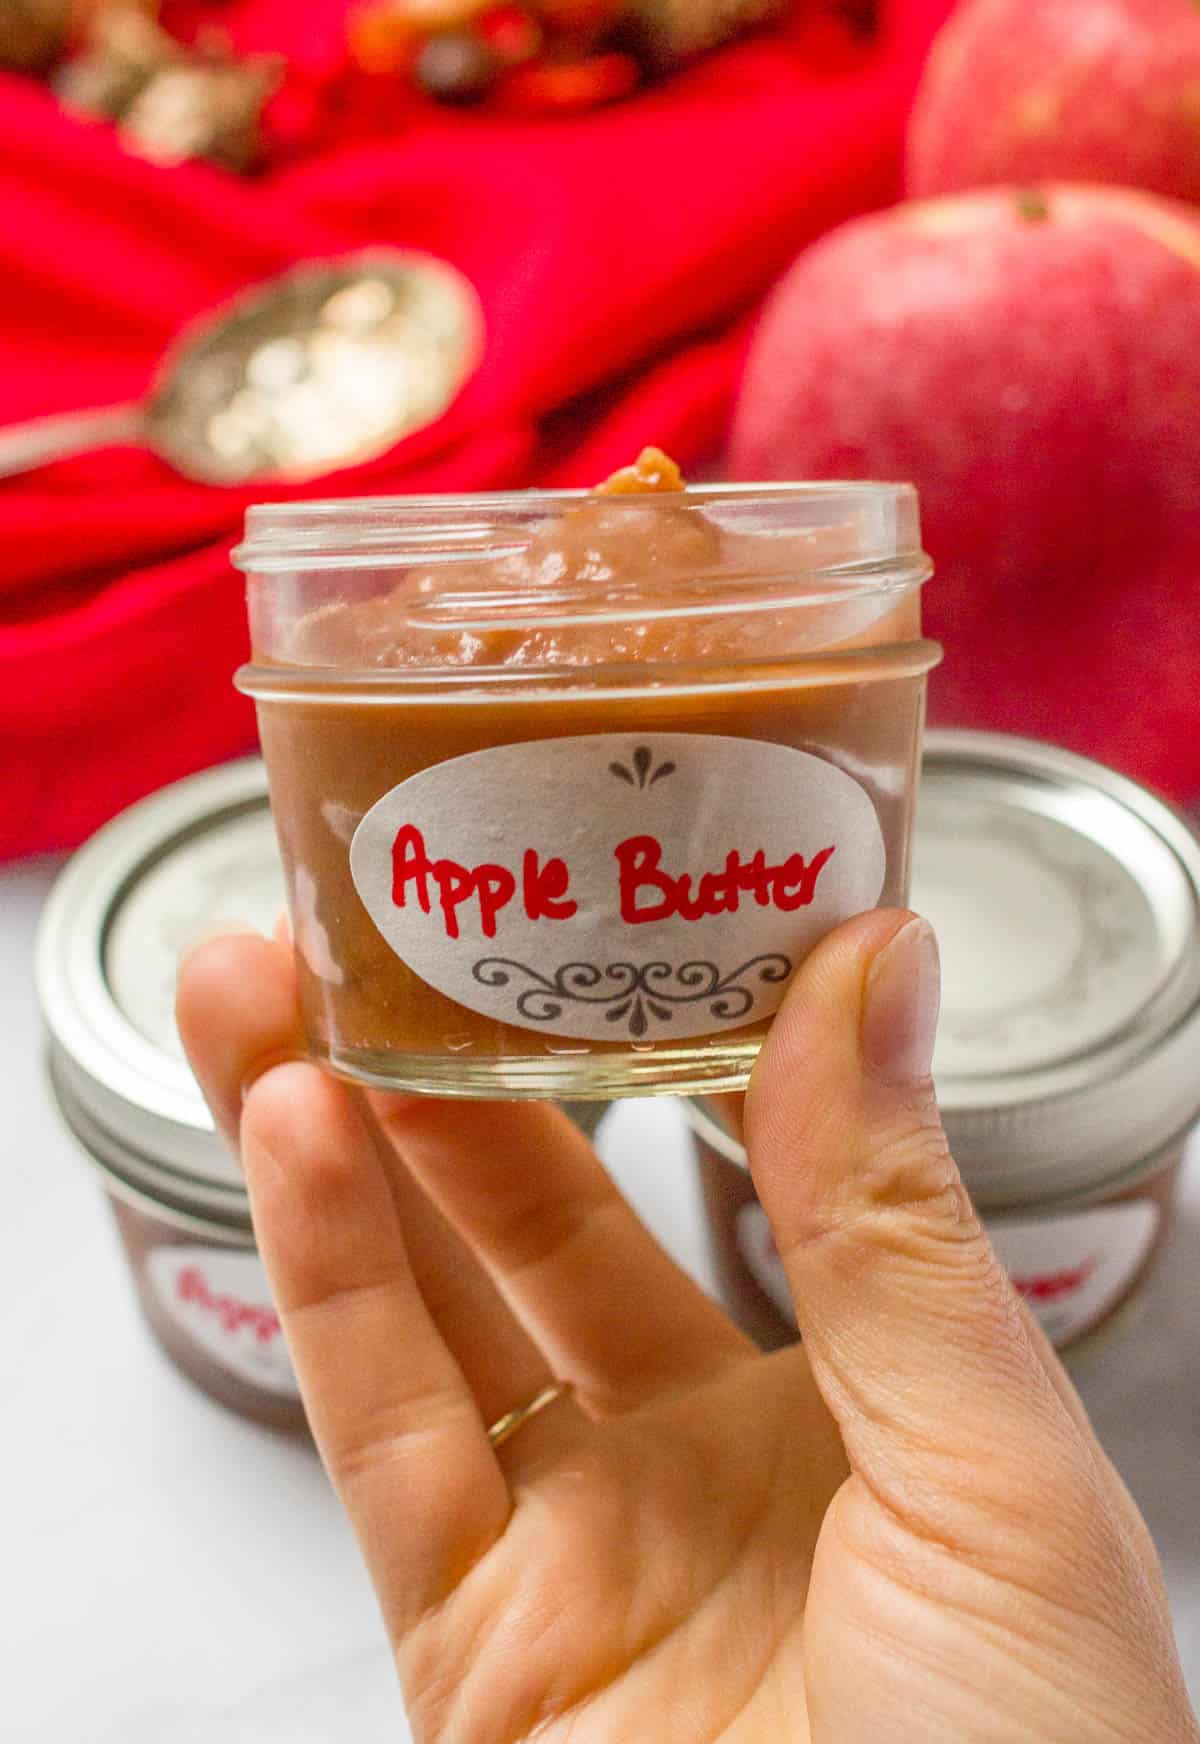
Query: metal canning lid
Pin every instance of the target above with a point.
(1066, 899)
(143, 1183)
(198, 855)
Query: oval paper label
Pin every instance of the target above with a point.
(1072, 1270)
(221, 1299)
(608, 887)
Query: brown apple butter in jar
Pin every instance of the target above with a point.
(567, 784)
(1067, 903)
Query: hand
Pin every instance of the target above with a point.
(904, 1532)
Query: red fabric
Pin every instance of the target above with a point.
(616, 255)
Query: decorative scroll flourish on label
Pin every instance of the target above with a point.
(651, 886)
(636, 994)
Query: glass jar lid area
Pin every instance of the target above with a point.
(810, 527)
(557, 582)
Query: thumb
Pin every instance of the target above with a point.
(915, 1337)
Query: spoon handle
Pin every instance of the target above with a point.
(25, 446)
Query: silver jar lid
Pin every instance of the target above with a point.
(198, 855)
(1066, 900)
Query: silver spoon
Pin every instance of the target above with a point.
(325, 366)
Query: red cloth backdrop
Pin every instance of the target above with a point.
(617, 254)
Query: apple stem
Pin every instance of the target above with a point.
(1033, 206)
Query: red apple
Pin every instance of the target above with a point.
(1081, 90)
(1032, 363)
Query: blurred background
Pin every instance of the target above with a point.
(253, 249)
(595, 197)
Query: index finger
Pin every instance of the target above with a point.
(398, 1427)
(393, 1412)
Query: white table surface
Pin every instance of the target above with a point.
(173, 1575)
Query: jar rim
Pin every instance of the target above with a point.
(147, 1183)
(385, 531)
(140, 1094)
(486, 685)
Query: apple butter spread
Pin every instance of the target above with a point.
(567, 784)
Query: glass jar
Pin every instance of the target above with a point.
(192, 858)
(198, 1277)
(1067, 902)
(567, 784)
(197, 856)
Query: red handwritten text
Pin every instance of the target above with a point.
(788, 886)
(543, 887)
(646, 891)
(232, 1314)
(1053, 1286)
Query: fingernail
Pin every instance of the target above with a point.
(900, 1008)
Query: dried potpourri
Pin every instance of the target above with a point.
(542, 56)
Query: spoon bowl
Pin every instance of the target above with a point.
(324, 367)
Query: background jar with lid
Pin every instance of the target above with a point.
(198, 855)
(190, 860)
(567, 784)
(1067, 903)
(199, 1280)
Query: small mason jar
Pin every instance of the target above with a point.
(197, 856)
(566, 785)
(1067, 903)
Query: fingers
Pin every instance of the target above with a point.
(976, 1494)
(916, 1338)
(391, 1411)
(501, 1364)
(525, 1190)
(610, 1308)
(334, 1214)
(237, 1015)
(730, 1110)
(1123, 1504)
(237, 1007)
